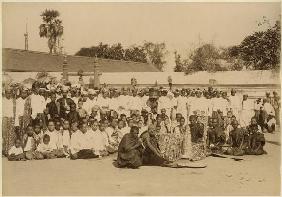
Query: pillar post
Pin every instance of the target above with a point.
(96, 73)
(65, 69)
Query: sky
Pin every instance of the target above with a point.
(182, 26)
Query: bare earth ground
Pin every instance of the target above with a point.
(255, 175)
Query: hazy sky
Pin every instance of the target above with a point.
(179, 25)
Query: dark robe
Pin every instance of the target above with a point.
(73, 116)
(197, 132)
(150, 157)
(130, 152)
(53, 109)
(237, 142)
(63, 103)
(256, 141)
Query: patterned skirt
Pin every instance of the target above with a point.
(8, 134)
(171, 146)
(198, 151)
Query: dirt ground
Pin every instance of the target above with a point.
(255, 175)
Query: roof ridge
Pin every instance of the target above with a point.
(78, 56)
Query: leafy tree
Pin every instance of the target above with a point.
(135, 53)
(156, 53)
(51, 28)
(116, 52)
(205, 58)
(260, 50)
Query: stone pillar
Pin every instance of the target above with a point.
(96, 74)
(65, 69)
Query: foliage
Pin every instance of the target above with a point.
(156, 53)
(205, 58)
(149, 52)
(51, 28)
(260, 50)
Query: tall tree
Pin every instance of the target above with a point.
(51, 28)
(156, 53)
(260, 50)
(205, 58)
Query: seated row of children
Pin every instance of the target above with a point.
(76, 140)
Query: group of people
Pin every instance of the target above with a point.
(146, 126)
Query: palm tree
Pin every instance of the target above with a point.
(51, 28)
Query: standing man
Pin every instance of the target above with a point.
(235, 103)
(64, 103)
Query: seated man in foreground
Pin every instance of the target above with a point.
(130, 150)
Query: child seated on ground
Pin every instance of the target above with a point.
(29, 143)
(16, 152)
(38, 134)
(45, 150)
(66, 137)
(98, 140)
(55, 142)
(81, 146)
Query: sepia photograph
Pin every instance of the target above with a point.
(141, 98)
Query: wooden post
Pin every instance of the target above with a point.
(96, 74)
(65, 69)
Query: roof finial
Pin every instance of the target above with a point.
(26, 38)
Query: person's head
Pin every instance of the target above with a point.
(159, 119)
(224, 95)
(102, 125)
(158, 128)
(65, 93)
(151, 128)
(84, 120)
(73, 107)
(163, 111)
(193, 119)
(199, 94)
(229, 114)
(18, 143)
(130, 122)
(37, 128)
(120, 124)
(182, 121)
(24, 94)
(178, 116)
(95, 125)
(8, 93)
(80, 104)
(29, 130)
(214, 122)
(234, 124)
(245, 97)
(140, 124)
(134, 117)
(166, 120)
(66, 125)
(114, 123)
(74, 126)
(57, 125)
(91, 95)
(134, 131)
(51, 125)
(233, 118)
(46, 139)
(233, 92)
(267, 94)
(253, 121)
(123, 117)
(53, 97)
(83, 127)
